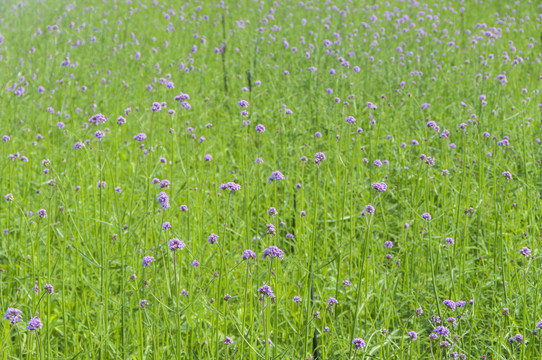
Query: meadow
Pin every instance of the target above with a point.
(270, 179)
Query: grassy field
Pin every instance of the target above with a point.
(270, 180)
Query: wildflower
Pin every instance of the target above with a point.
(319, 157)
(413, 335)
(525, 251)
(42, 213)
(147, 260)
(369, 210)
(275, 175)
(140, 137)
(163, 200)
(176, 244)
(266, 290)
(231, 186)
(13, 315)
(34, 323)
(507, 175)
(247, 254)
(213, 238)
(297, 299)
(143, 303)
(228, 340)
(273, 251)
(260, 128)
(442, 331)
(49, 288)
(332, 301)
(359, 342)
(426, 216)
(450, 304)
(380, 187)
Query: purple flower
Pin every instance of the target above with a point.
(372, 106)
(419, 311)
(247, 254)
(99, 134)
(163, 200)
(34, 323)
(176, 244)
(228, 340)
(332, 301)
(242, 103)
(42, 213)
(369, 210)
(272, 211)
(213, 238)
(359, 342)
(275, 175)
(426, 216)
(388, 244)
(101, 184)
(319, 157)
(273, 251)
(207, 157)
(13, 315)
(147, 260)
(507, 175)
(140, 137)
(231, 186)
(260, 128)
(425, 106)
(271, 229)
(97, 119)
(450, 303)
(183, 208)
(442, 331)
(266, 290)
(413, 335)
(380, 187)
(143, 303)
(8, 197)
(49, 288)
(525, 251)
(164, 184)
(350, 120)
(156, 106)
(297, 299)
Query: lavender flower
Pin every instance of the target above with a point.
(273, 251)
(213, 239)
(525, 251)
(140, 137)
(163, 200)
(359, 343)
(247, 254)
(369, 210)
(442, 331)
(380, 187)
(319, 157)
(266, 290)
(413, 335)
(13, 315)
(34, 323)
(507, 175)
(275, 175)
(176, 244)
(147, 260)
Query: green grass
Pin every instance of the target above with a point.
(91, 244)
